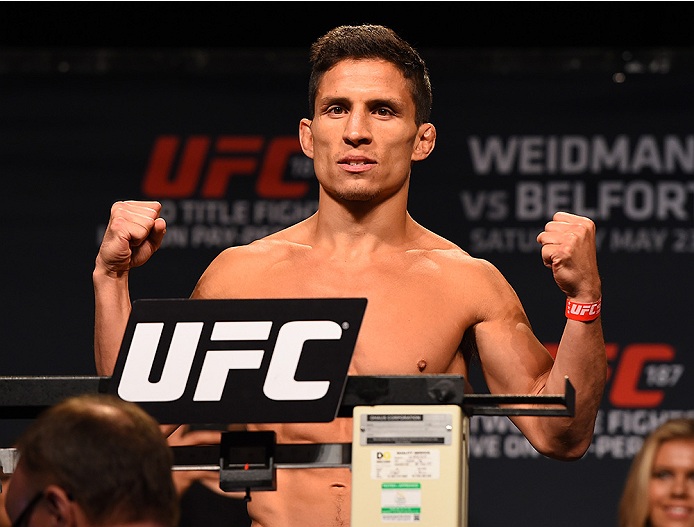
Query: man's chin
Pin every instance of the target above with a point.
(359, 195)
(359, 198)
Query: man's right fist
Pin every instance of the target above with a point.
(133, 235)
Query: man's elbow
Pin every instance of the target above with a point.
(572, 454)
(567, 449)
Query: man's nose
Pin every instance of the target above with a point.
(357, 129)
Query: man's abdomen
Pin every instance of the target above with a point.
(304, 498)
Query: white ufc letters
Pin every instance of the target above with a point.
(279, 382)
(135, 385)
(279, 385)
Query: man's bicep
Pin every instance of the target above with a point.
(513, 361)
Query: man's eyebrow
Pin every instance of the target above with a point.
(395, 104)
(329, 100)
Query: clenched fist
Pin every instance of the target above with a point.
(134, 233)
(568, 248)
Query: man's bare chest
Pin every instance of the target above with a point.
(413, 323)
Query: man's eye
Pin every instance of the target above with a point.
(337, 110)
(384, 112)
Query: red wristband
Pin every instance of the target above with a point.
(583, 312)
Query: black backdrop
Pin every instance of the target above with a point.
(538, 106)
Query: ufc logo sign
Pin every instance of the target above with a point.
(279, 385)
(207, 165)
(238, 361)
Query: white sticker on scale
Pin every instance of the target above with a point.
(398, 463)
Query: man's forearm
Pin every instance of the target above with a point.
(581, 357)
(111, 311)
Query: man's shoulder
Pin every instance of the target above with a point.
(457, 266)
(264, 252)
(437, 247)
(243, 267)
(469, 280)
(461, 264)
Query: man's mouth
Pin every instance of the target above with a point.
(356, 164)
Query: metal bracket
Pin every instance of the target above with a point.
(486, 404)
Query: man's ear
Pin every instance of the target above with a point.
(306, 137)
(61, 507)
(426, 139)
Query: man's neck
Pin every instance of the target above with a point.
(355, 228)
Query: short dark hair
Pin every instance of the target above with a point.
(108, 454)
(371, 42)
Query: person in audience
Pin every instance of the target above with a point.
(659, 490)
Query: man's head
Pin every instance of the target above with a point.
(93, 460)
(371, 42)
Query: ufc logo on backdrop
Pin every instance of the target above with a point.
(639, 374)
(279, 385)
(204, 165)
(238, 361)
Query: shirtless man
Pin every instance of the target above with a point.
(430, 304)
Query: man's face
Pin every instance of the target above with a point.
(363, 137)
(671, 488)
(30, 505)
(22, 501)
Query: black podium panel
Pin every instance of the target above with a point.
(238, 361)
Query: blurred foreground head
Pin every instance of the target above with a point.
(93, 460)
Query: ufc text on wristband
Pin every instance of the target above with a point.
(583, 312)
